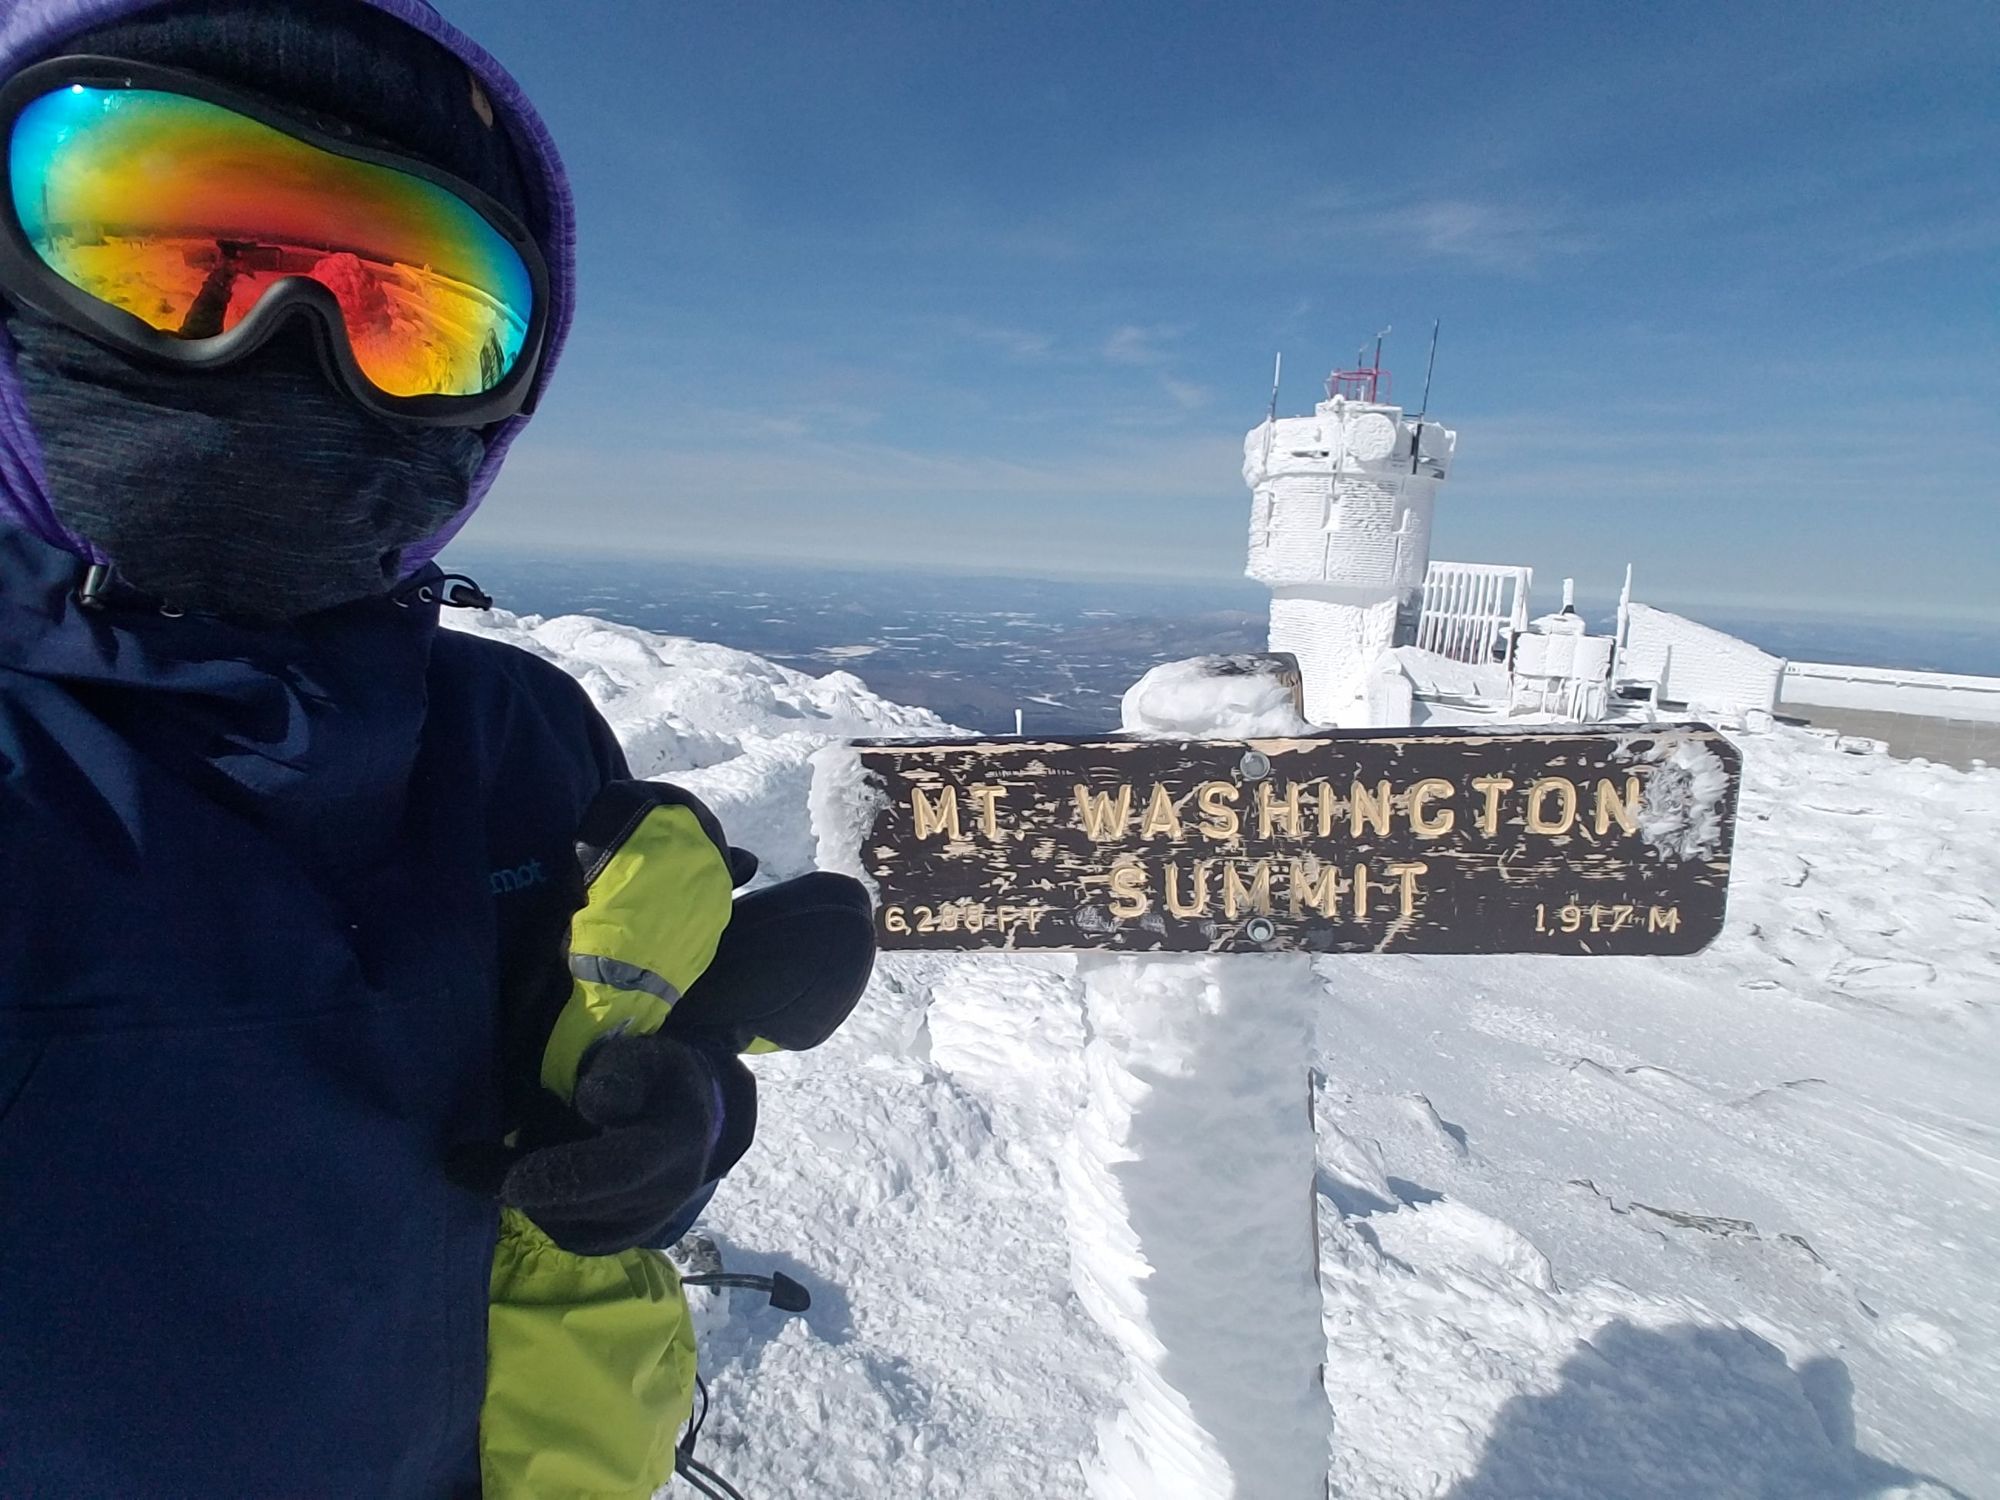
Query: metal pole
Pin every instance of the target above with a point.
(1417, 442)
(1429, 369)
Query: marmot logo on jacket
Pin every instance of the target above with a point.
(520, 878)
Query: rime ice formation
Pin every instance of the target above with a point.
(1232, 697)
(1561, 669)
(1681, 817)
(1196, 1254)
(1340, 531)
(1711, 672)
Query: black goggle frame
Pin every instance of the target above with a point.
(30, 280)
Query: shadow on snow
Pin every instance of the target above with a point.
(1663, 1414)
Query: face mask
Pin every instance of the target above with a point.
(258, 492)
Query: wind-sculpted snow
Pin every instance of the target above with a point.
(1721, 1226)
(733, 728)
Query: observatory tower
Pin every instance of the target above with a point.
(1340, 532)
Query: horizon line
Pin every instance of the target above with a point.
(1815, 609)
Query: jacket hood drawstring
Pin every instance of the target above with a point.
(452, 590)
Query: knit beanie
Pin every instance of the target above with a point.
(337, 58)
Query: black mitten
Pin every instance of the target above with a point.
(655, 1120)
(793, 961)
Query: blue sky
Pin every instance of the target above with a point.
(997, 286)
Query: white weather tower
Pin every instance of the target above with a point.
(1340, 530)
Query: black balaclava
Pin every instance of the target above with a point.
(264, 492)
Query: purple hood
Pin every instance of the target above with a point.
(30, 29)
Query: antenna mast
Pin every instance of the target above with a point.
(1430, 369)
(1417, 443)
(1365, 382)
(1277, 372)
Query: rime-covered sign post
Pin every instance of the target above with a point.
(1440, 841)
(1193, 877)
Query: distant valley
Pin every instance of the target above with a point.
(1063, 651)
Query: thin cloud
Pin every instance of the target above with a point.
(1889, 246)
(1143, 347)
(1135, 344)
(1195, 465)
(1016, 343)
(1492, 236)
(810, 419)
(1492, 233)
(1633, 463)
(881, 503)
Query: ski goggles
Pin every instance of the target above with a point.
(186, 222)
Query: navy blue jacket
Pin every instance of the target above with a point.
(274, 908)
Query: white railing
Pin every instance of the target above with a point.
(1473, 611)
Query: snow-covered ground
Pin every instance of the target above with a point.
(1722, 1226)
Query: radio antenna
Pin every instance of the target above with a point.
(1277, 372)
(1430, 369)
(1417, 443)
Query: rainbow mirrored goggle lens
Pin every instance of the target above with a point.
(185, 213)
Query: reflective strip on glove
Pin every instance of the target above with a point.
(659, 898)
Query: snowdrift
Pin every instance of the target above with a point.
(1719, 1226)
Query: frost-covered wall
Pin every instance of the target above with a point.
(1337, 503)
(1336, 644)
(1697, 665)
(1340, 527)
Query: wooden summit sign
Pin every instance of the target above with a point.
(1442, 841)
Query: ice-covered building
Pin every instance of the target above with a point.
(1684, 664)
(1340, 531)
